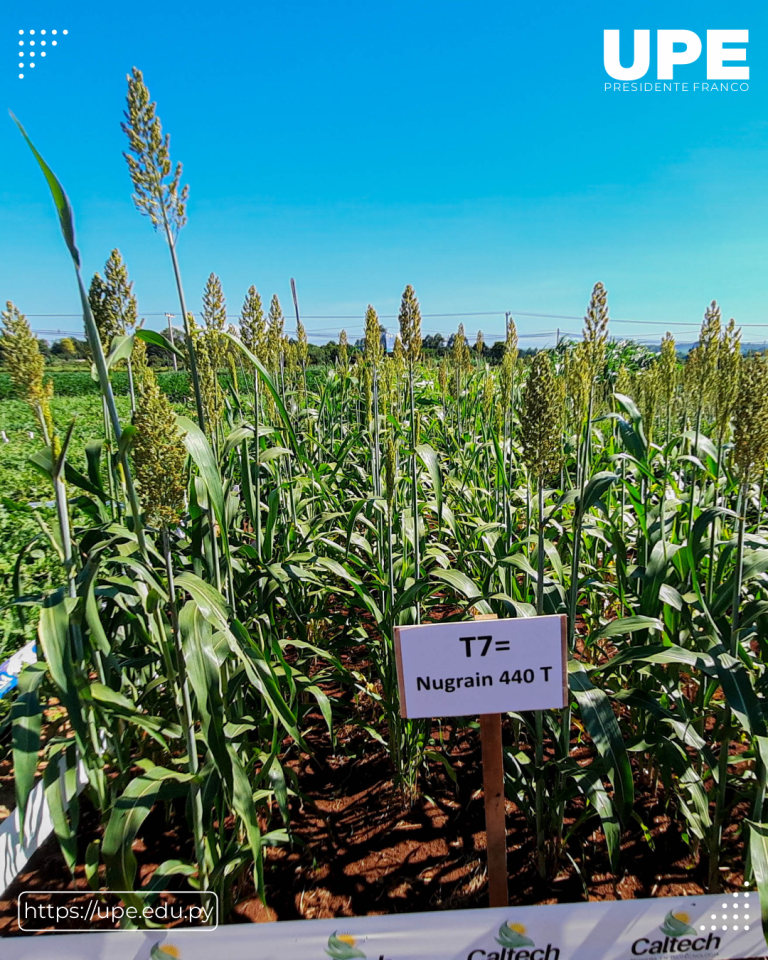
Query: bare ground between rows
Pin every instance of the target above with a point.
(360, 850)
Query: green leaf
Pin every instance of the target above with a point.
(597, 486)
(624, 625)
(438, 757)
(670, 596)
(268, 383)
(57, 804)
(121, 349)
(738, 690)
(26, 720)
(661, 653)
(461, 583)
(428, 457)
(601, 724)
(242, 801)
(158, 340)
(110, 697)
(63, 208)
(53, 633)
(208, 600)
(280, 788)
(128, 814)
(589, 783)
(199, 449)
(92, 864)
(758, 852)
(325, 707)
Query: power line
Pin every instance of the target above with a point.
(437, 316)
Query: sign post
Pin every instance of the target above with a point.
(466, 669)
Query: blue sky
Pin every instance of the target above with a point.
(467, 148)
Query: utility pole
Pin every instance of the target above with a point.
(169, 318)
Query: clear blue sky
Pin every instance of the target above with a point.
(466, 148)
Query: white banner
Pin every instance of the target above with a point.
(676, 928)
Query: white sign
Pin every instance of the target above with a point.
(482, 666)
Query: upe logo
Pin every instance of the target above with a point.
(679, 937)
(688, 50)
(515, 944)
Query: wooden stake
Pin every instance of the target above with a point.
(495, 822)
(493, 795)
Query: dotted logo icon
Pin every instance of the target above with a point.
(34, 44)
(738, 912)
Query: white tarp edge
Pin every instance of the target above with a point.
(38, 826)
(675, 928)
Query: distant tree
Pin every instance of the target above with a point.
(497, 351)
(434, 341)
(67, 348)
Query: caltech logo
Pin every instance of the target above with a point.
(514, 941)
(343, 946)
(679, 938)
(165, 951)
(677, 48)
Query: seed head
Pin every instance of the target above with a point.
(275, 335)
(750, 440)
(442, 378)
(373, 350)
(291, 358)
(121, 301)
(343, 352)
(232, 366)
(726, 377)
(596, 330)
(479, 343)
(367, 386)
(158, 453)
(390, 470)
(112, 300)
(253, 328)
(649, 396)
(624, 382)
(210, 390)
(508, 364)
(398, 356)
(213, 347)
(302, 344)
(460, 355)
(579, 379)
(158, 194)
(702, 360)
(669, 369)
(510, 343)
(26, 365)
(105, 321)
(489, 392)
(410, 325)
(541, 420)
(498, 417)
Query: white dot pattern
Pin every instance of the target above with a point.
(734, 916)
(31, 53)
